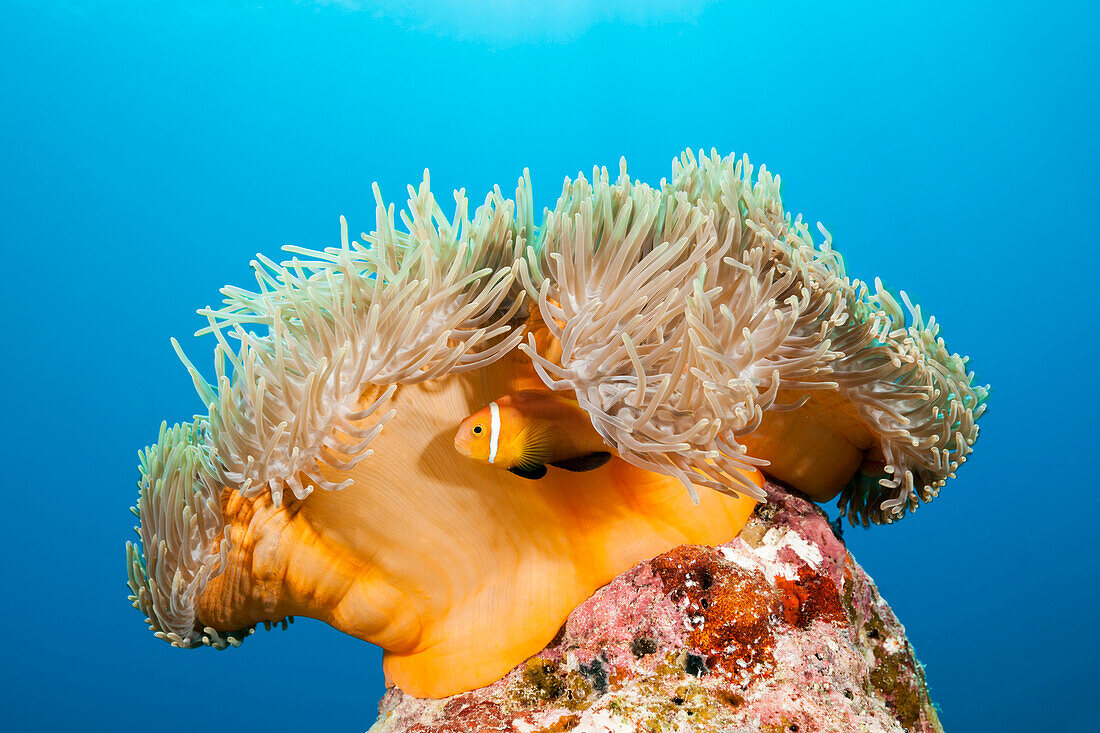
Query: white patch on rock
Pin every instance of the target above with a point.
(744, 560)
(779, 537)
(603, 721)
(765, 558)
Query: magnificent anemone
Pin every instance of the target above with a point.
(696, 323)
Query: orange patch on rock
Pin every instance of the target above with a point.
(813, 596)
(731, 611)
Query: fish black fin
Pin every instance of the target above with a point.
(531, 472)
(589, 462)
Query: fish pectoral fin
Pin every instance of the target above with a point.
(535, 444)
(532, 472)
(583, 463)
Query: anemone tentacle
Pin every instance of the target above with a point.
(346, 326)
(183, 535)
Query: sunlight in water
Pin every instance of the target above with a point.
(514, 22)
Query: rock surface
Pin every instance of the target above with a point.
(778, 630)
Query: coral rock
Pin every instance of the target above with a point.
(777, 630)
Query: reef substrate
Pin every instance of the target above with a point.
(777, 630)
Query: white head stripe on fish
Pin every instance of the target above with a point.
(494, 431)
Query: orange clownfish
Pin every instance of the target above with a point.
(525, 431)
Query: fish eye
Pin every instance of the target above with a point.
(478, 429)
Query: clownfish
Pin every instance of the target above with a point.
(525, 431)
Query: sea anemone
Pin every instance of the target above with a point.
(697, 325)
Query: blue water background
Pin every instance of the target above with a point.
(148, 151)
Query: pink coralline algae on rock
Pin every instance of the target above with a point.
(778, 630)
